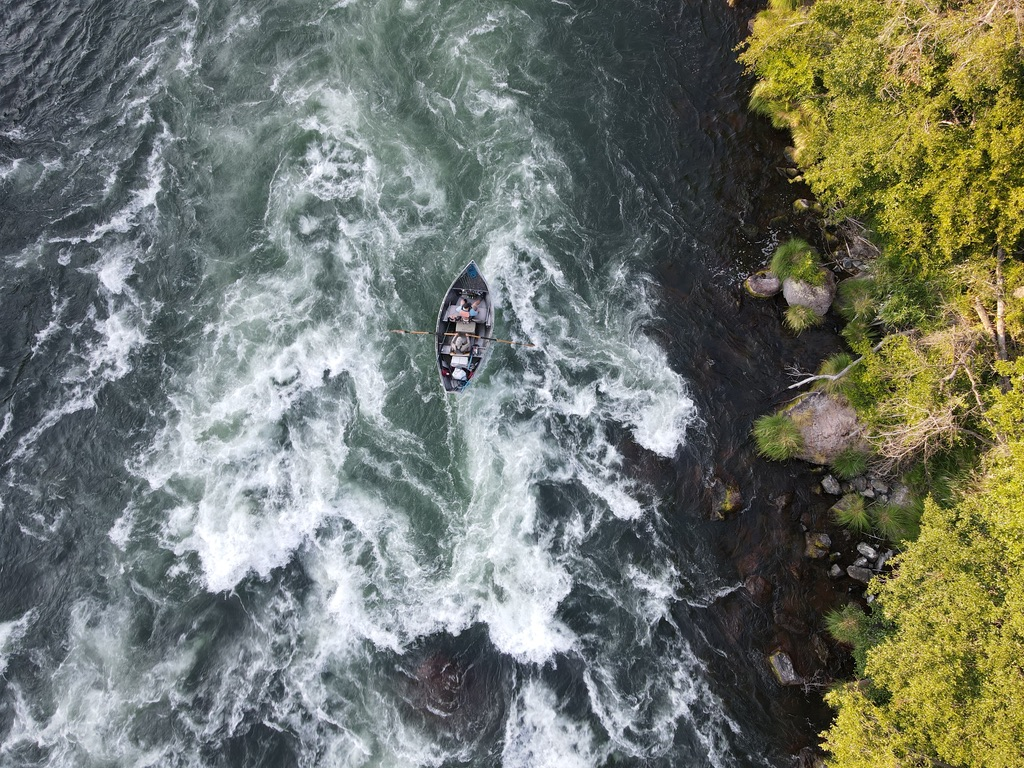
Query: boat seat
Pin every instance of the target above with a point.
(468, 327)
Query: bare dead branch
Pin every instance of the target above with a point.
(1000, 306)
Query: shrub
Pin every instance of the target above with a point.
(799, 318)
(850, 463)
(851, 512)
(798, 260)
(777, 437)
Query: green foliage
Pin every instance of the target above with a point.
(832, 366)
(797, 260)
(1006, 410)
(913, 394)
(799, 318)
(906, 116)
(777, 437)
(948, 678)
(855, 298)
(847, 624)
(850, 463)
(897, 524)
(851, 512)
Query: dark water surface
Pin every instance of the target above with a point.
(241, 524)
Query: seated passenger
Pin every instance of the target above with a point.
(461, 345)
(468, 309)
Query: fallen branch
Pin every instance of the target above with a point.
(834, 376)
(986, 322)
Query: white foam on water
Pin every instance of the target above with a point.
(128, 217)
(54, 327)
(96, 689)
(106, 340)
(11, 633)
(264, 476)
(282, 447)
(539, 735)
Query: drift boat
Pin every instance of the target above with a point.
(465, 325)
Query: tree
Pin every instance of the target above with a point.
(946, 686)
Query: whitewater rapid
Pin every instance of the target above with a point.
(278, 523)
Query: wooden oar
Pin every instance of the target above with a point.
(468, 336)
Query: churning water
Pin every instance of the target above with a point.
(241, 524)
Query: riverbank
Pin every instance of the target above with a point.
(934, 371)
(739, 361)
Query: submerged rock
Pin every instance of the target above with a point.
(759, 587)
(782, 667)
(726, 498)
(817, 545)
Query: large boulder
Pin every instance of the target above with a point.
(818, 297)
(828, 425)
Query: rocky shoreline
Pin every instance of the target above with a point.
(778, 523)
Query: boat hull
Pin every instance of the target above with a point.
(465, 330)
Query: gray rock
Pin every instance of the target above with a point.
(867, 550)
(868, 493)
(879, 485)
(817, 545)
(828, 426)
(860, 562)
(859, 573)
(835, 571)
(884, 558)
(831, 485)
(803, 204)
(859, 484)
(762, 285)
(817, 297)
(901, 496)
(782, 666)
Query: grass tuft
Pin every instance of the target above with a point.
(777, 437)
(832, 366)
(855, 298)
(895, 523)
(851, 512)
(799, 318)
(795, 258)
(848, 625)
(850, 463)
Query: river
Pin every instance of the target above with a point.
(240, 524)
